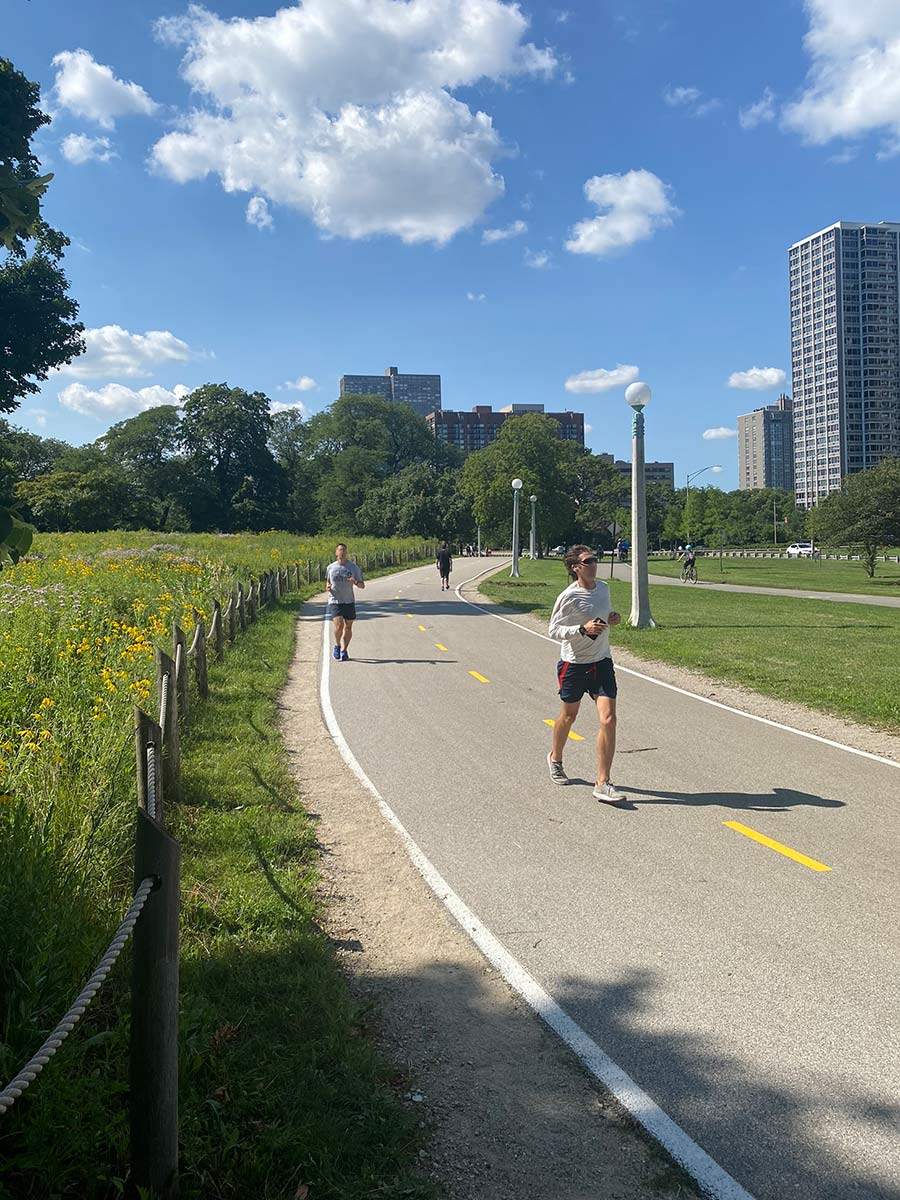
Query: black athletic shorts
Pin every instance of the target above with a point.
(347, 611)
(596, 678)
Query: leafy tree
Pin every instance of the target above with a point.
(225, 433)
(527, 446)
(420, 500)
(865, 513)
(21, 187)
(84, 502)
(292, 443)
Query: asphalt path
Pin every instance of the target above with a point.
(623, 571)
(753, 995)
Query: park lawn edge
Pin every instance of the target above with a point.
(836, 658)
(281, 1082)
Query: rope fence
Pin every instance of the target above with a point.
(153, 914)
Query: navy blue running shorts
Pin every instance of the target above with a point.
(347, 611)
(595, 679)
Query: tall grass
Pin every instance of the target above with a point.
(78, 623)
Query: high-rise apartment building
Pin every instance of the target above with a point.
(766, 447)
(845, 353)
(654, 472)
(476, 429)
(420, 392)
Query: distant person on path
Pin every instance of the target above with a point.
(445, 566)
(581, 619)
(342, 576)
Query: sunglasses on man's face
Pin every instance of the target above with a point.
(586, 562)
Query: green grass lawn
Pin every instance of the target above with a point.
(841, 658)
(821, 576)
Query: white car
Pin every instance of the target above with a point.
(800, 550)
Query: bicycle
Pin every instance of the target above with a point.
(688, 573)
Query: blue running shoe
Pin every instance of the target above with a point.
(336, 654)
(345, 657)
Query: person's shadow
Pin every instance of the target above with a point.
(778, 800)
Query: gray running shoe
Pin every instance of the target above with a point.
(557, 771)
(608, 793)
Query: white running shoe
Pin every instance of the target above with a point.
(557, 771)
(608, 793)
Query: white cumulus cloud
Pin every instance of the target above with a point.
(280, 406)
(757, 378)
(117, 401)
(602, 380)
(756, 114)
(90, 89)
(691, 99)
(516, 229)
(632, 207)
(854, 80)
(344, 110)
(719, 434)
(539, 260)
(112, 350)
(258, 213)
(78, 148)
(303, 383)
(476, 297)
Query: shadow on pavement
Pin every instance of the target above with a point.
(778, 800)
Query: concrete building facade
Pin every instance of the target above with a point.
(476, 429)
(766, 447)
(845, 353)
(421, 392)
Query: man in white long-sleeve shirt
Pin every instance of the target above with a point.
(581, 619)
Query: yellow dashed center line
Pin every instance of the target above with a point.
(785, 850)
(409, 614)
(440, 647)
(422, 627)
(576, 737)
(480, 678)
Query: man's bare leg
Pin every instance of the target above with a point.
(348, 633)
(606, 738)
(338, 624)
(564, 723)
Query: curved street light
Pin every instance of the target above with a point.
(687, 489)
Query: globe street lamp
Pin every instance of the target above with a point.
(637, 395)
(687, 494)
(517, 487)
(533, 526)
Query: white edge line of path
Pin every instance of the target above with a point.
(813, 737)
(715, 1182)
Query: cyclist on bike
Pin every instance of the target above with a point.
(689, 568)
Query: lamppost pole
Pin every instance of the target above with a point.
(687, 494)
(637, 395)
(533, 527)
(517, 487)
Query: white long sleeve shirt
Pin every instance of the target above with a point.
(576, 606)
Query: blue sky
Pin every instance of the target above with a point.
(715, 135)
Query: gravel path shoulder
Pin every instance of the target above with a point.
(512, 1113)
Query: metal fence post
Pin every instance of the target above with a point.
(200, 668)
(171, 747)
(219, 631)
(242, 606)
(154, 1015)
(179, 653)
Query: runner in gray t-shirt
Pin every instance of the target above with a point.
(342, 576)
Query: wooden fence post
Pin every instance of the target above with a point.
(154, 1015)
(229, 619)
(242, 606)
(218, 630)
(179, 642)
(171, 745)
(200, 668)
(251, 601)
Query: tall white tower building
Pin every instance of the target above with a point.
(845, 353)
